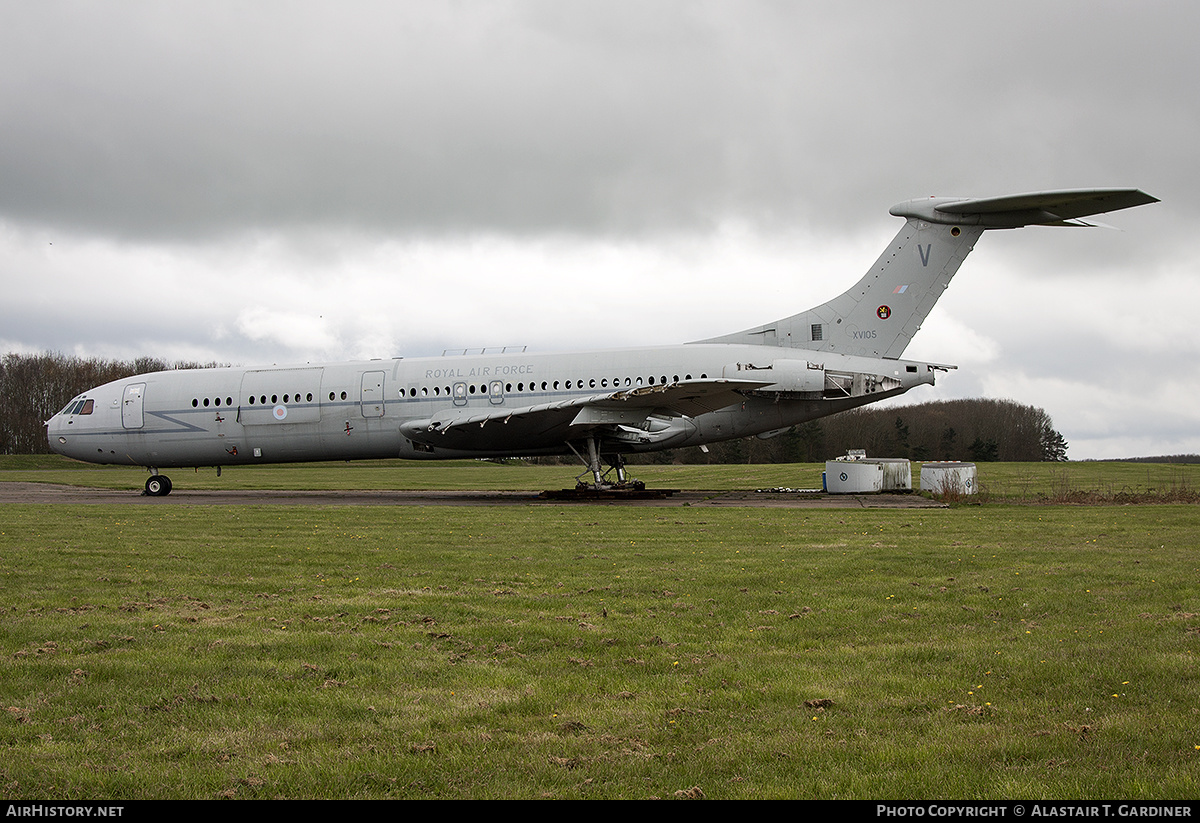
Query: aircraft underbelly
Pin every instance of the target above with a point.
(517, 436)
(514, 436)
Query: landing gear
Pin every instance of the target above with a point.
(603, 488)
(158, 485)
(594, 462)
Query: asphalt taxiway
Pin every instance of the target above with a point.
(51, 494)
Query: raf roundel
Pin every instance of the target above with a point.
(280, 412)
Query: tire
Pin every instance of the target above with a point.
(158, 485)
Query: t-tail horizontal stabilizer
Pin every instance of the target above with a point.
(1043, 208)
(880, 314)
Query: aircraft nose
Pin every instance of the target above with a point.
(60, 437)
(54, 436)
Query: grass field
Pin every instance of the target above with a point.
(985, 651)
(1011, 482)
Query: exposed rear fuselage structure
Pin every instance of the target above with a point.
(599, 405)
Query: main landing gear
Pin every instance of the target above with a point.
(593, 461)
(158, 485)
(603, 488)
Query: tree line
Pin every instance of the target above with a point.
(34, 387)
(976, 430)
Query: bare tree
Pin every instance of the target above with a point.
(35, 386)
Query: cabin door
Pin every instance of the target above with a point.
(133, 405)
(372, 394)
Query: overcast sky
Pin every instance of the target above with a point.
(270, 182)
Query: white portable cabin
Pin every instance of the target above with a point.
(897, 473)
(858, 474)
(949, 478)
(853, 477)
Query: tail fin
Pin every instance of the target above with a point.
(881, 313)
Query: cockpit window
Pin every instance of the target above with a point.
(82, 406)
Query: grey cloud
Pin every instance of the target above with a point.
(197, 120)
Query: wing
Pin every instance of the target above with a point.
(643, 413)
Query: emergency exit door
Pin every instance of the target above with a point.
(372, 394)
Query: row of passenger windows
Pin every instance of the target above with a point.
(553, 385)
(260, 400)
(440, 391)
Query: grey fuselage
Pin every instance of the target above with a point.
(358, 410)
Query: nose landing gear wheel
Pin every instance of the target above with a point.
(158, 485)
